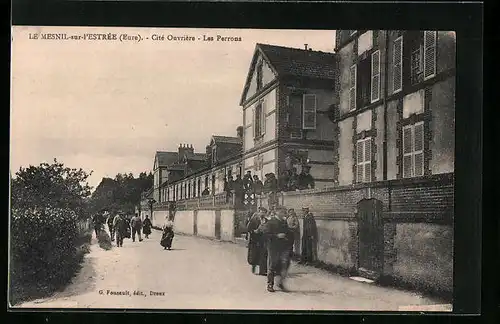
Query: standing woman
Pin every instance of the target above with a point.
(146, 226)
(255, 247)
(167, 235)
(309, 238)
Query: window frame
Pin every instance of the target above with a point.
(413, 152)
(313, 111)
(400, 86)
(366, 162)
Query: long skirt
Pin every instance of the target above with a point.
(166, 239)
(146, 230)
(254, 250)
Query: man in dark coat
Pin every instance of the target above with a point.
(309, 238)
(258, 186)
(120, 226)
(294, 233)
(275, 231)
(257, 254)
(305, 180)
(271, 187)
(98, 222)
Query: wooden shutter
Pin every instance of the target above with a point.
(263, 117)
(367, 160)
(375, 95)
(429, 54)
(352, 87)
(254, 123)
(309, 112)
(359, 161)
(397, 56)
(407, 150)
(418, 149)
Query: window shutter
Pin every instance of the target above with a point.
(397, 56)
(352, 87)
(309, 112)
(375, 76)
(263, 117)
(406, 166)
(368, 150)
(254, 122)
(429, 53)
(407, 141)
(419, 164)
(419, 138)
(359, 161)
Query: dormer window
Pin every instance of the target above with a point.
(214, 155)
(259, 76)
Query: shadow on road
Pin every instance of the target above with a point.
(308, 292)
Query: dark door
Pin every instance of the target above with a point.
(213, 184)
(371, 237)
(217, 224)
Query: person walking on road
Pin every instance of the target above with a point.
(256, 244)
(146, 226)
(136, 225)
(294, 232)
(309, 238)
(98, 222)
(278, 252)
(167, 234)
(111, 229)
(120, 227)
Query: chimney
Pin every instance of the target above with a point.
(239, 132)
(305, 46)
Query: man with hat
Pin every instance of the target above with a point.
(275, 231)
(309, 237)
(305, 180)
(120, 226)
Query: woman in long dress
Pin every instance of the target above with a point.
(167, 235)
(146, 226)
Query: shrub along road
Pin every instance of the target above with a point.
(204, 274)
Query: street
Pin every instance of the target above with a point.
(204, 274)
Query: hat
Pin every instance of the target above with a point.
(305, 208)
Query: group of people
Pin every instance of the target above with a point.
(290, 180)
(273, 240)
(122, 226)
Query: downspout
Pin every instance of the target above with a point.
(386, 83)
(384, 168)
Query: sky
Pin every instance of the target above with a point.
(108, 106)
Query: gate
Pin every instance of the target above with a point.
(371, 238)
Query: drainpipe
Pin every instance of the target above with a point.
(386, 82)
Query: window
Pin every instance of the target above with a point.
(413, 150)
(352, 87)
(214, 155)
(259, 76)
(363, 160)
(375, 93)
(397, 57)
(259, 119)
(429, 54)
(309, 111)
(365, 42)
(416, 65)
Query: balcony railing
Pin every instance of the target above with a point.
(217, 200)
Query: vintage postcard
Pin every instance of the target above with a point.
(232, 169)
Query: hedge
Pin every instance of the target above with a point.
(44, 244)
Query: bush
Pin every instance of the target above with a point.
(44, 245)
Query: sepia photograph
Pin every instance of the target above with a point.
(232, 169)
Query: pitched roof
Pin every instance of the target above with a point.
(300, 62)
(226, 139)
(166, 158)
(288, 61)
(197, 157)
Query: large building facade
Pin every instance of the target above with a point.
(286, 103)
(397, 103)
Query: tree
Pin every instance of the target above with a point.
(50, 185)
